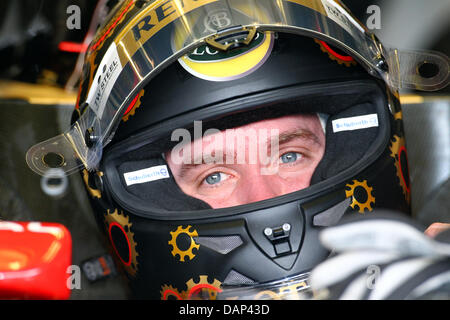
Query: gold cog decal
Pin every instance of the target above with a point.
(95, 193)
(356, 196)
(348, 61)
(118, 226)
(201, 290)
(183, 253)
(398, 153)
(168, 292)
(134, 104)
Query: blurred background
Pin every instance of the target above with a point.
(41, 55)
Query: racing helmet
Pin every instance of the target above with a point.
(158, 71)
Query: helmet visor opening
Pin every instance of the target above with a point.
(254, 153)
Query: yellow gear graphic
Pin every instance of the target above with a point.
(169, 291)
(173, 242)
(95, 193)
(398, 115)
(396, 147)
(211, 289)
(123, 220)
(136, 104)
(350, 193)
(334, 56)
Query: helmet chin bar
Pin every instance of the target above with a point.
(234, 255)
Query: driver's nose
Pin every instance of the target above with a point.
(257, 187)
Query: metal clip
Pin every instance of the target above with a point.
(232, 38)
(279, 237)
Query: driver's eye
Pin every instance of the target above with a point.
(290, 157)
(215, 178)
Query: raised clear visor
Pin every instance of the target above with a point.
(418, 70)
(68, 151)
(164, 31)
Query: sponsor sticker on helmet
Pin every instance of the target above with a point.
(214, 65)
(336, 13)
(146, 175)
(104, 80)
(355, 123)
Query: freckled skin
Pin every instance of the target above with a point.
(250, 181)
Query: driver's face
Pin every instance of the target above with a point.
(300, 143)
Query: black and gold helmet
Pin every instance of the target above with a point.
(159, 71)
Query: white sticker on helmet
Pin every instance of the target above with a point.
(336, 13)
(355, 123)
(146, 175)
(105, 77)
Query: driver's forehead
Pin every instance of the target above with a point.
(296, 120)
(269, 128)
(253, 143)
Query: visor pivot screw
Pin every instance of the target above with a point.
(89, 138)
(382, 65)
(268, 231)
(286, 227)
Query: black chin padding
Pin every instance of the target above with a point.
(163, 194)
(345, 148)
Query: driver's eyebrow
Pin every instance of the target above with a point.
(196, 163)
(299, 133)
(283, 138)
